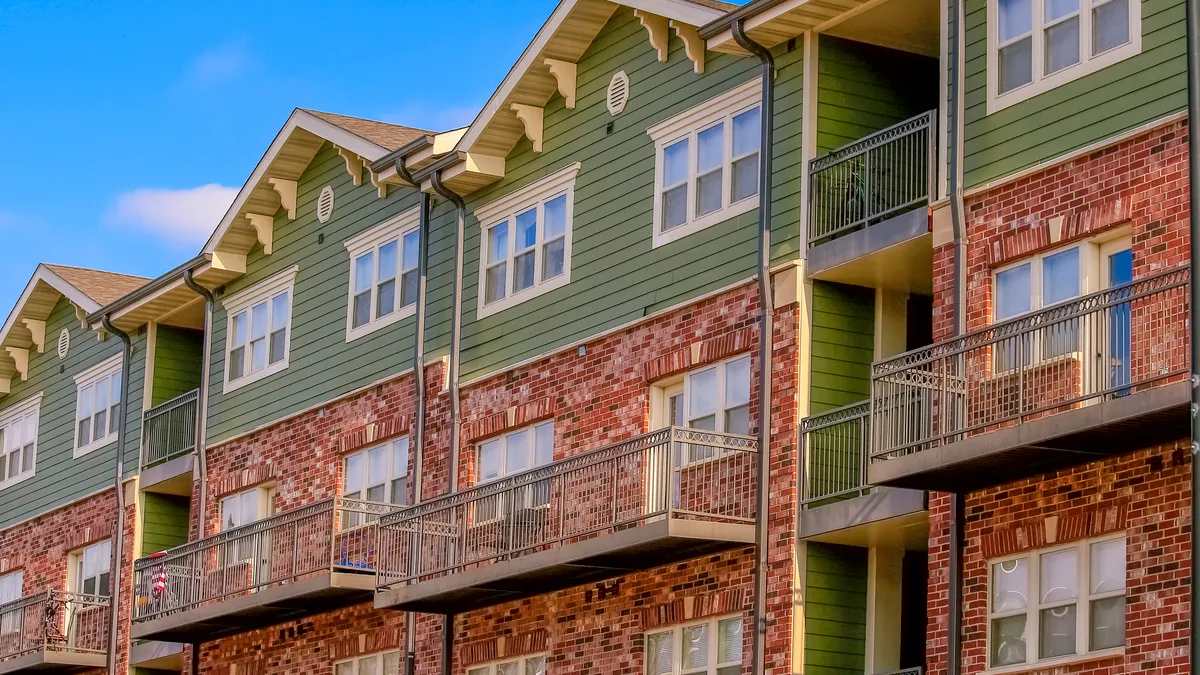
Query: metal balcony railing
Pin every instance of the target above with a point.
(332, 535)
(872, 179)
(671, 473)
(835, 453)
(169, 430)
(54, 621)
(1096, 348)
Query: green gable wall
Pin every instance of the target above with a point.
(835, 609)
(1118, 98)
(322, 365)
(164, 521)
(843, 344)
(863, 88)
(58, 478)
(178, 359)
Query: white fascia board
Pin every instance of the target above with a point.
(679, 10)
(43, 273)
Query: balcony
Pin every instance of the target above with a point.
(868, 215)
(168, 441)
(307, 561)
(54, 632)
(666, 496)
(1097, 376)
(837, 504)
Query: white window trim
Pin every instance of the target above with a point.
(73, 560)
(1033, 607)
(25, 407)
(243, 300)
(490, 667)
(506, 208)
(392, 229)
(1090, 270)
(503, 438)
(357, 660)
(661, 393)
(677, 643)
(392, 474)
(1041, 84)
(724, 107)
(97, 372)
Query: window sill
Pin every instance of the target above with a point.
(234, 385)
(94, 446)
(1039, 364)
(18, 480)
(704, 222)
(366, 329)
(521, 296)
(1047, 664)
(997, 102)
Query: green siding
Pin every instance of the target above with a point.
(1118, 98)
(178, 356)
(835, 609)
(59, 478)
(863, 88)
(164, 521)
(843, 344)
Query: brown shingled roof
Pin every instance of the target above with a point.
(716, 4)
(390, 136)
(103, 287)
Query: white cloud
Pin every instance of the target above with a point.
(184, 217)
(220, 64)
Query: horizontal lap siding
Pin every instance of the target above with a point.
(178, 353)
(59, 479)
(1088, 110)
(835, 609)
(164, 522)
(843, 344)
(322, 365)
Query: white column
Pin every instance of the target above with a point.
(891, 323)
(885, 573)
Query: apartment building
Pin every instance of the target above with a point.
(497, 399)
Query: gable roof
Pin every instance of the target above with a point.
(390, 136)
(102, 287)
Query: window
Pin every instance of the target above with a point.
(386, 663)
(1036, 45)
(526, 665)
(713, 398)
(240, 509)
(379, 475)
(258, 330)
(18, 441)
(706, 168)
(10, 591)
(711, 647)
(90, 569)
(1057, 603)
(97, 406)
(383, 274)
(525, 247)
(510, 454)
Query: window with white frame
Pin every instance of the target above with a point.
(713, 398)
(383, 274)
(383, 663)
(706, 166)
(509, 454)
(709, 647)
(97, 406)
(258, 330)
(90, 569)
(525, 245)
(243, 508)
(534, 664)
(18, 441)
(10, 591)
(1036, 45)
(1057, 603)
(379, 475)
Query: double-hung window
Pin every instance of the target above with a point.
(18, 440)
(97, 406)
(379, 475)
(10, 591)
(707, 163)
(90, 569)
(513, 453)
(1057, 603)
(258, 330)
(525, 248)
(526, 665)
(712, 398)
(1035, 45)
(383, 274)
(709, 647)
(1029, 286)
(384, 663)
(244, 508)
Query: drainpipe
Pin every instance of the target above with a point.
(455, 413)
(766, 302)
(202, 399)
(410, 618)
(1193, 81)
(118, 471)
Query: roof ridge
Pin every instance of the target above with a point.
(93, 269)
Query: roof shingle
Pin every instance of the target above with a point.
(390, 136)
(103, 287)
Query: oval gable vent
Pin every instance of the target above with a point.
(64, 343)
(325, 204)
(618, 93)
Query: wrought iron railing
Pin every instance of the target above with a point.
(54, 621)
(333, 535)
(915, 670)
(872, 179)
(834, 453)
(169, 430)
(1095, 348)
(671, 473)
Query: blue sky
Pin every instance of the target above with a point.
(117, 113)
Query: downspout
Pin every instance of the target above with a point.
(118, 470)
(460, 208)
(766, 302)
(1193, 87)
(410, 618)
(202, 400)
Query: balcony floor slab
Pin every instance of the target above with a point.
(896, 254)
(638, 548)
(889, 517)
(173, 476)
(53, 661)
